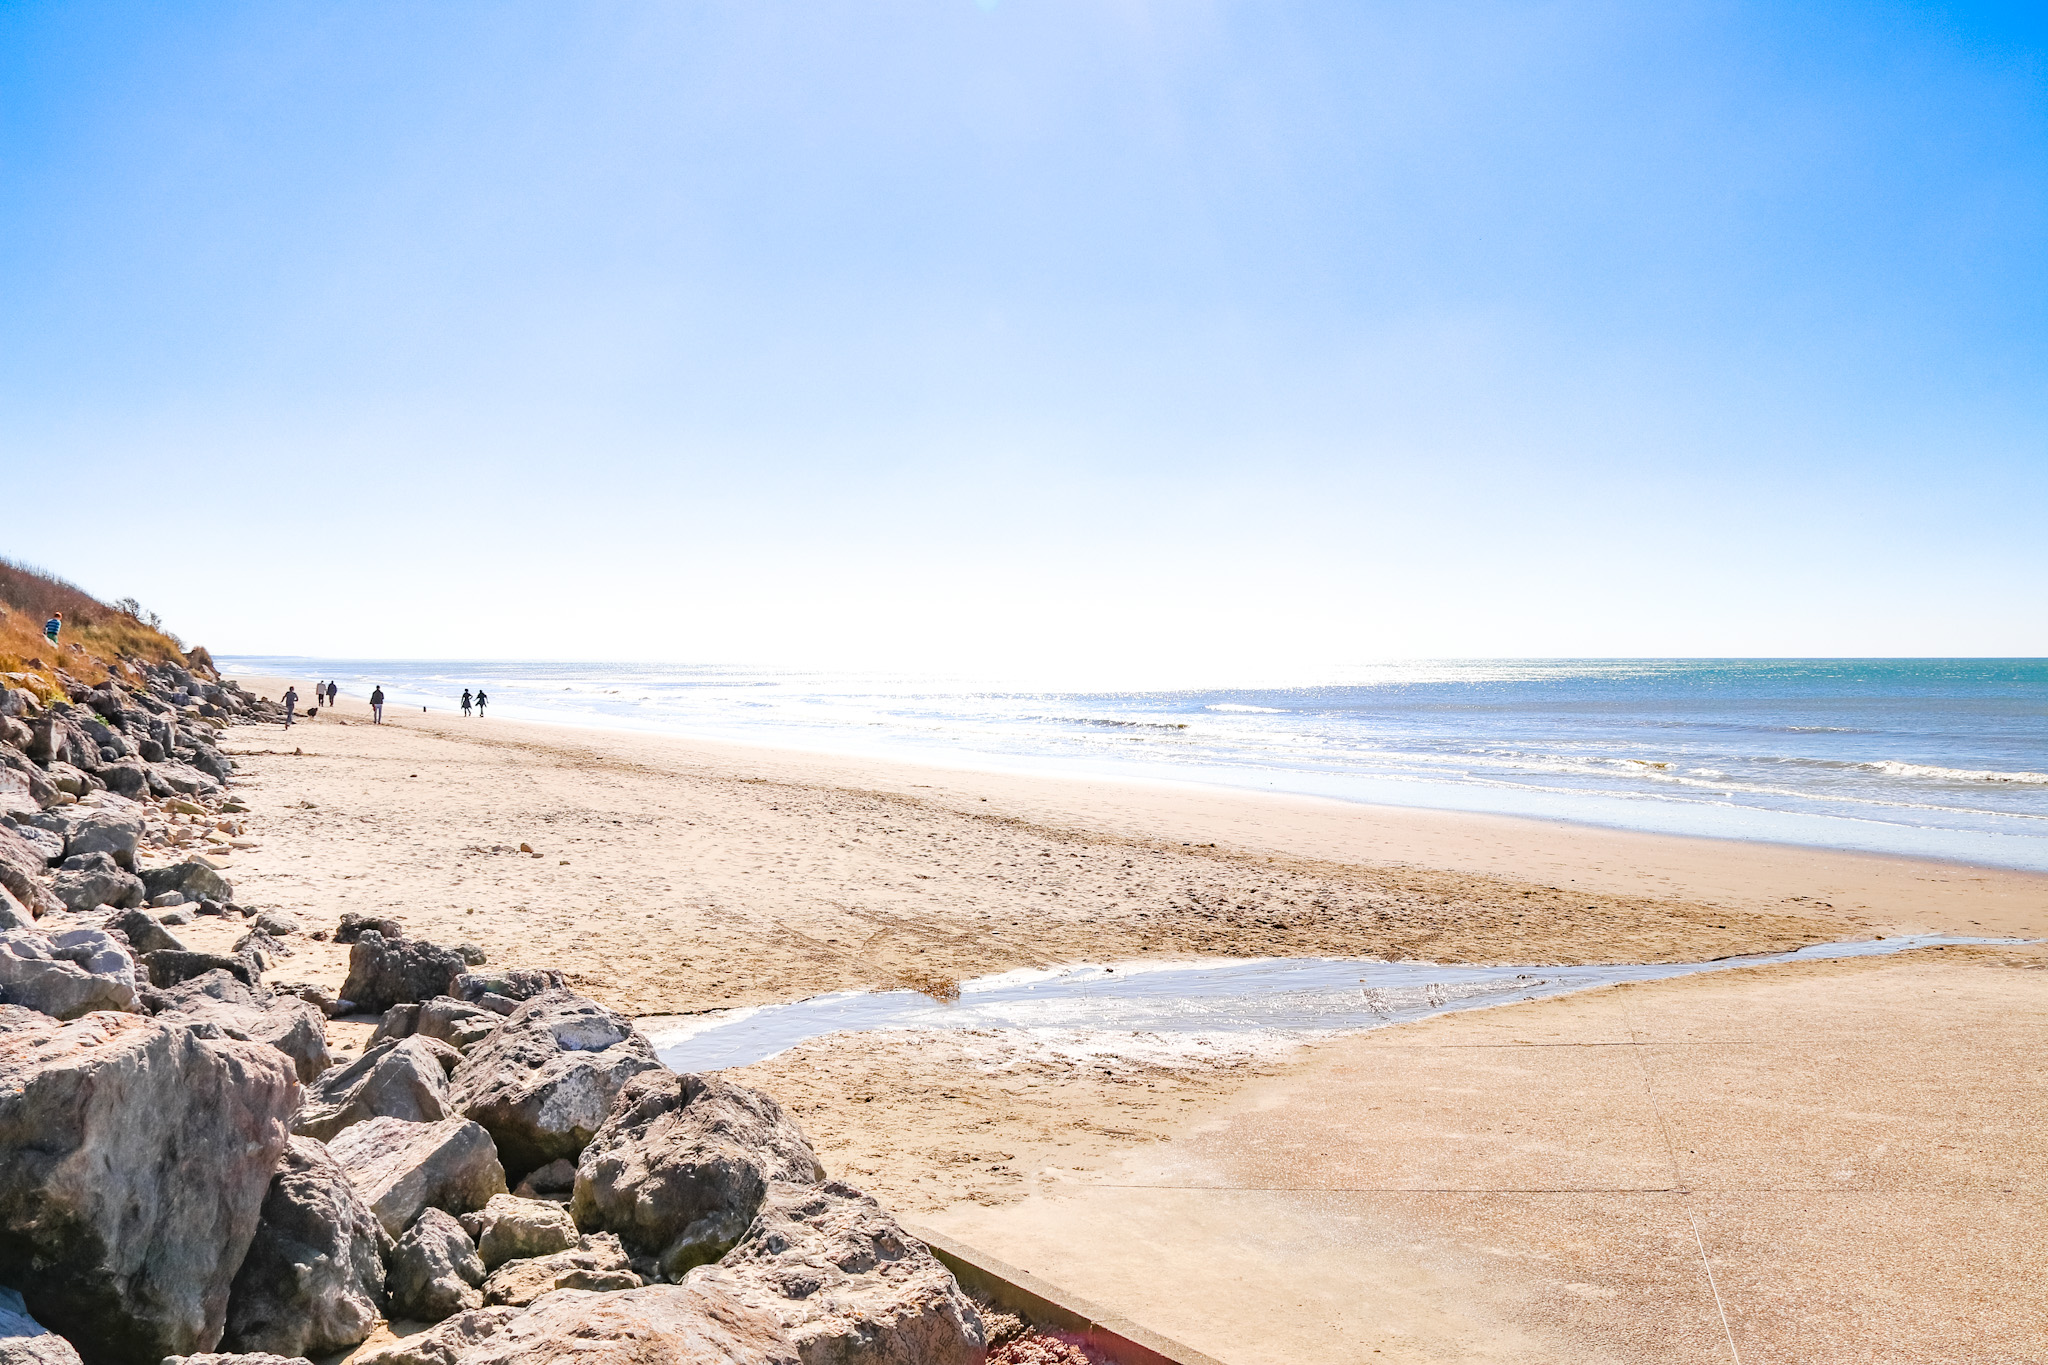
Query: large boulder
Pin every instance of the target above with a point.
(460, 1025)
(195, 878)
(145, 934)
(313, 1280)
(383, 972)
(444, 1344)
(112, 832)
(89, 880)
(846, 1283)
(13, 914)
(402, 1079)
(289, 1024)
(510, 1228)
(544, 1081)
(235, 1358)
(24, 1341)
(681, 1166)
(168, 967)
(21, 872)
(434, 1271)
(668, 1324)
(597, 1263)
(134, 1160)
(401, 1167)
(502, 990)
(37, 974)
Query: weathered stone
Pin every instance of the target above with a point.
(461, 1026)
(557, 1177)
(145, 934)
(125, 775)
(446, 1343)
(313, 1280)
(667, 1324)
(845, 1282)
(473, 954)
(277, 1020)
(112, 832)
(509, 985)
(384, 972)
(276, 923)
(13, 914)
(401, 1079)
(24, 1341)
(401, 1167)
(261, 950)
(599, 1263)
(545, 1080)
(168, 967)
(400, 1021)
(37, 974)
(134, 1160)
(90, 880)
(195, 878)
(21, 872)
(681, 1166)
(435, 1270)
(233, 1358)
(185, 779)
(352, 926)
(510, 1228)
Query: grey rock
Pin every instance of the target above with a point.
(90, 880)
(122, 774)
(401, 1079)
(313, 1280)
(168, 900)
(134, 1160)
(544, 1081)
(557, 1177)
(681, 1166)
(235, 1358)
(195, 878)
(448, 1342)
(472, 954)
(24, 1341)
(401, 1167)
(275, 1019)
(352, 926)
(385, 972)
(510, 1228)
(21, 872)
(48, 844)
(145, 933)
(658, 1325)
(37, 974)
(169, 966)
(510, 985)
(261, 949)
(276, 923)
(400, 1021)
(461, 1026)
(13, 914)
(185, 779)
(846, 1284)
(112, 832)
(434, 1271)
(599, 1264)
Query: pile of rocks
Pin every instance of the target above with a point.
(186, 1168)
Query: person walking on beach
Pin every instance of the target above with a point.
(52, 626)
(465, 701)
(377, 707)
(480, 700)
(332, 692)
(291, 704)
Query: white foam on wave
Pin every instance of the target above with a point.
(1955, 774)
(1239, 706)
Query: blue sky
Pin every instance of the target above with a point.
(1163, 336)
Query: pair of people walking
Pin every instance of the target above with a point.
(324, 694)
(479, 699)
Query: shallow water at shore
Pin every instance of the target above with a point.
(1925, 758)
(1271, 995)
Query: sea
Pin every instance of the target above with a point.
(1931, 758)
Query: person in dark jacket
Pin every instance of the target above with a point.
(377, 707)
(480, 700)
(465, 701)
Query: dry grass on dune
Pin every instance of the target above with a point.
(96, 636)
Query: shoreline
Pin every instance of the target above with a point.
(1848, 892)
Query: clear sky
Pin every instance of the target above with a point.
(1176, 334)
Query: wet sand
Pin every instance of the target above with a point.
(670, 876)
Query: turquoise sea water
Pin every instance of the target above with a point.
(1943, 758)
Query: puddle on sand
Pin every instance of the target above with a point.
(1270, 995)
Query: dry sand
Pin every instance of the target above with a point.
(1505, 1185)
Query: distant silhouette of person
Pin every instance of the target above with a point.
(377, 707)
(291, 704)
(52, 626)
(332, 692)
(465, 701)
(480, 700)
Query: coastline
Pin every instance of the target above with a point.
(1521, 1182)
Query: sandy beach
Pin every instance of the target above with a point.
(1833, 1161)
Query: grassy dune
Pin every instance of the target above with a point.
(98, 639)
